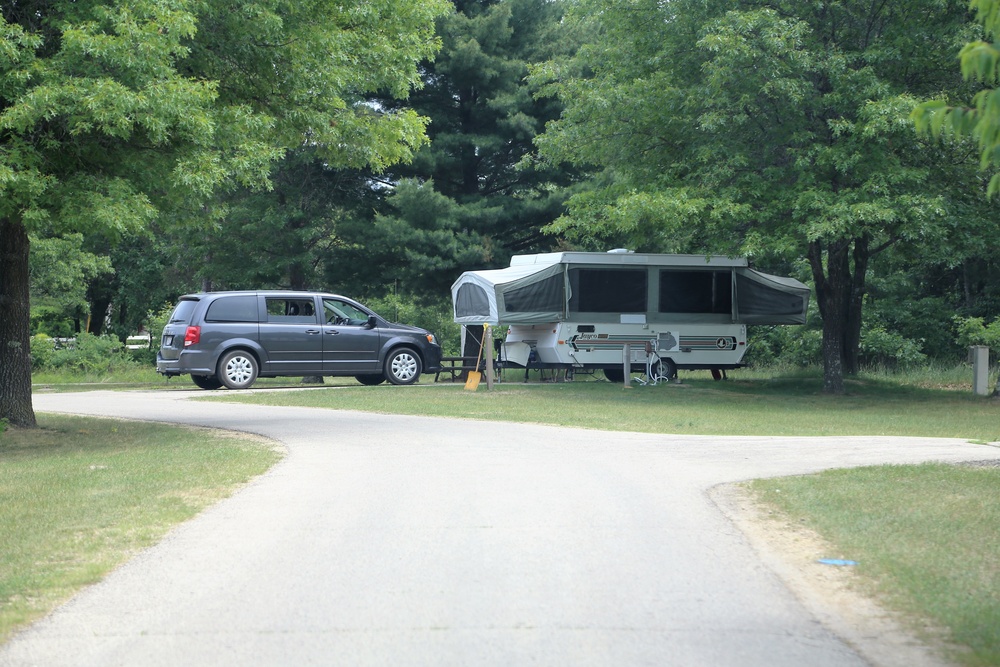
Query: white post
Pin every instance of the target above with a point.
(980, 355)
(627, 365)
(488, 355)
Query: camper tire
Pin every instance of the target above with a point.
(669, 370)
(615, 375)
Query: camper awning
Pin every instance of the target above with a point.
(518, 294)
(765, 299)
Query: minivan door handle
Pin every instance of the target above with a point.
(333, 332)
(312, 331)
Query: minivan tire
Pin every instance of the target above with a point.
(206, 381)
(237, 369)
(402, 366)
(371, 380)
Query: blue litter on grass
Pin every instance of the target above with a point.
(837, 561)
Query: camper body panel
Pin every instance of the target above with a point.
(599, 346)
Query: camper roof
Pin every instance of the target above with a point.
(626, 258)
(547, 287)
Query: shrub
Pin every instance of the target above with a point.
(889, 349)
(87, 354)
(974, 331)
(43, 350)
(792, 346)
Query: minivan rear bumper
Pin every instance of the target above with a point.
(189, 361)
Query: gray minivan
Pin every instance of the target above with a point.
(232, 338)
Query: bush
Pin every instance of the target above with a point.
(974, 331)
(43, 350)
(889, 349)
(87, 354)
(787, 345)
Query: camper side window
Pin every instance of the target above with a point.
(696, 292)
(608, 290)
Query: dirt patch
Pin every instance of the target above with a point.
(831, 593)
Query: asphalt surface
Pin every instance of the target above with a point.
(384, 540)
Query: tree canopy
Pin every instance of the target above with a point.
(777, 130)
(980, 64)
(112, 111)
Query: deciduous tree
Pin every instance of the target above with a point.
(112, 111)
(775, 129)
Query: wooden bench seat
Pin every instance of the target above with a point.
(456, 367)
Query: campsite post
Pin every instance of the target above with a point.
(488, 355)
(627, 365)
(980, 357)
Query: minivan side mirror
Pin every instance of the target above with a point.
(370, 324)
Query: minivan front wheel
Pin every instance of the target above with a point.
(402, 366)
(237, 369)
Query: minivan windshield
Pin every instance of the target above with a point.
(183, 311)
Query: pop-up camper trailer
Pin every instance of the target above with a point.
(579, 309)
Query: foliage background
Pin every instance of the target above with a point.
(581, 124)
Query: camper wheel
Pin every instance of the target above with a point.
(616, 375)
(668, 371)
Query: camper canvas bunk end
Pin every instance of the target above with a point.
(579, 310)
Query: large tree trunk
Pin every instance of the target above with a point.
(832, 294)
(855, 305)
(15, 344)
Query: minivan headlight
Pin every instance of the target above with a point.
(432, 339)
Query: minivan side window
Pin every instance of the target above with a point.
(340, 312)
(242, 308)
(290, 310)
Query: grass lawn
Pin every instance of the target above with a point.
(779, 405)
(80, 496)
(926, 539)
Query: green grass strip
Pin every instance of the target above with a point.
(926, 537)
(80, 496)
(775, 406)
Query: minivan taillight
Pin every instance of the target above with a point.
(192, 336)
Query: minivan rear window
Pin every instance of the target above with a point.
(183, 311)
(241, 308)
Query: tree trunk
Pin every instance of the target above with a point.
(855, 305)
(99, 294)
(832, 292)
(15, 343)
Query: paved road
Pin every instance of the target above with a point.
(418, 541)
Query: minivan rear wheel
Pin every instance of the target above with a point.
(237, 369)
(206, 381)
